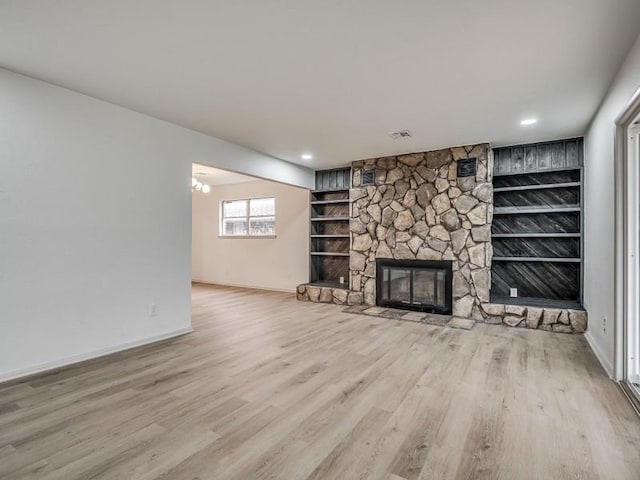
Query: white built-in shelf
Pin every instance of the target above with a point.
(536, 259)
(536, 235)
(545, 209)
(536, 187)
(329, 254)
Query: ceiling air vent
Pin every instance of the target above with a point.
(400, 134)
(368, 177)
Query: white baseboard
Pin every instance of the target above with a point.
(26, 372)
(254, 287)
(602, 358)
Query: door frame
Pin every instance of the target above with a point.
(627, 243)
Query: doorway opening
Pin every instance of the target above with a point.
(247, 232)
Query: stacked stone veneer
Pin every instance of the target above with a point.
(419, 209)
(550, 319)
(318, 294)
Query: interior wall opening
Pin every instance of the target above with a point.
(248, 232)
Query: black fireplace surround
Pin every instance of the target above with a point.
(420, 285)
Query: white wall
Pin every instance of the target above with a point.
(95, 223)
(600, 208)
(279, 263)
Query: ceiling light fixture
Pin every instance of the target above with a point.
(197, 186)
(528, 121)
(307, 156)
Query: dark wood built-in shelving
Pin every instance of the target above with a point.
(532, 209)
(330, 219)
(329, 228)
(537, 259)
(536, 187)
(537, 224)
(328, 202)
(536, 235)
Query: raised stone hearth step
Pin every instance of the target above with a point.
(560, 320)
(462, 323)
(324, 294)
(397, 314)
(548, 319)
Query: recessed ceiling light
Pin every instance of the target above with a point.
(307, 156)
(528, 121)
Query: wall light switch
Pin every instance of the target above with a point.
(513, 292)
(153, 310)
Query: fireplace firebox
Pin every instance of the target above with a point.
(421, 285)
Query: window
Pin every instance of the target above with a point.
(253, 217)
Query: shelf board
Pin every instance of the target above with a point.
(330, 191)
(330, 219)
(536, 235)
(329, 254)
(329, 284)
(536, 187)
(330, 202)
(548, 170)
(344, 235)
(537, 259)
(523, 210)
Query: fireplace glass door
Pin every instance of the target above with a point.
(397, 284)
(415, 287)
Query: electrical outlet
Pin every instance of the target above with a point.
(153, 310)
(513, 292)
(604, 325)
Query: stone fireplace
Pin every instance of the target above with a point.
(419, 208)
(431, 209)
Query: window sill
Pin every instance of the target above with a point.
(247, 236)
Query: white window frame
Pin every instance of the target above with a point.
(248, 218)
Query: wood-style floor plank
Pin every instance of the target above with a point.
(268, 387)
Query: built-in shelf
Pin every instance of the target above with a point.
(329, 228)
(538, 199)
(344, 235)
(536, 187)
(344, 286)
(329, 202)
(330, 190)
(545, 209)
(547, 170)
(536, 259)
(536, 235)
(330, 219)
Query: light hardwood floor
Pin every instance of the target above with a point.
(268, 387)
